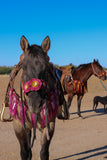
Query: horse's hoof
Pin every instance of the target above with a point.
(79, 115)
(67, 116)
(62, 117)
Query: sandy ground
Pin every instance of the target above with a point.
(74, 139)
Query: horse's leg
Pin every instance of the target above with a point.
(44, 153)
(66, 110)
(79, 98)
(25, 151)
(63, 111)
(70, 97)
(104, 108)
(96, 105)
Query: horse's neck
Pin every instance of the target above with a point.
(83, 74)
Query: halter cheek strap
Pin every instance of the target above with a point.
(95, 73)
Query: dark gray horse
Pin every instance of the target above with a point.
(37, 103)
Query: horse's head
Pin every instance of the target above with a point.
(98, 70)
(37, 77)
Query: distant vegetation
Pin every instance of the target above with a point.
(105, 68)
(56, 65)
(5, 70)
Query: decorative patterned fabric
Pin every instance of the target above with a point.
(14, 102)
(52, 107)
(78, 87)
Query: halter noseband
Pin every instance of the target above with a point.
(95, 73)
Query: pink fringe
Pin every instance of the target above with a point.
(52, 107)
(13, 105)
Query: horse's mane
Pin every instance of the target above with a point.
(81, 66)
(73, 70)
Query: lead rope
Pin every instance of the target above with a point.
(47, 123)
(34, 130)
(46, 107)
(30, 145)
(103, 85)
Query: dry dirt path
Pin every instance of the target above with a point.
(75, 139)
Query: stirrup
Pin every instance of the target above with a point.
(2, 114)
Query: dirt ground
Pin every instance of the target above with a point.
(74, 139)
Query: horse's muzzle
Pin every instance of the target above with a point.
(35, 104)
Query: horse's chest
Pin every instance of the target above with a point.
(16, 110)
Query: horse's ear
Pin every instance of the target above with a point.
(94, 60)
(97, 61)
(24, 44)
(46, 44)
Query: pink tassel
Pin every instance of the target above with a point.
(52, 107)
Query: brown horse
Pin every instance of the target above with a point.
(34, 96)
(75, 81)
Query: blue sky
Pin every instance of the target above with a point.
(77, 29)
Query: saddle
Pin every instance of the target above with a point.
(65, 72)
(67, 80)
(66, 75)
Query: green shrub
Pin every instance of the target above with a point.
(5, 70)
